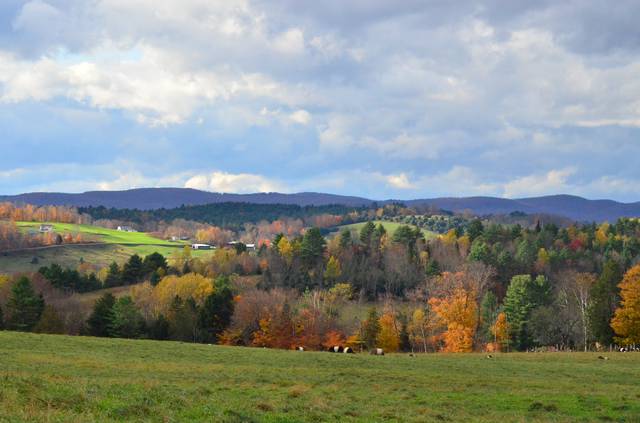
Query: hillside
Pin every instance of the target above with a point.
(53, 378)
(573, 207)
(105, 246)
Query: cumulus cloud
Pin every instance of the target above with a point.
(425, 97)
(234, 183)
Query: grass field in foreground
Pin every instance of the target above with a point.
(58, 378)
(389, 226)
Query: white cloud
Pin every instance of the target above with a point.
(301, 117)
(290, 41)
(400, 181)
(553, 181)
(234, 183)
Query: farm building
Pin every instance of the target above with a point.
(46, 228)
(201, 247)
(126, 229)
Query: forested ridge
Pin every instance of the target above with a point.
(486, 286)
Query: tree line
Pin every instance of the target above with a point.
(488, 286)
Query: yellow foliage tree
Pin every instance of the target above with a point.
(418, 329)
(500, 331)
(188, 286)
(286, 249)
(333, 270)
(388, 338)
(602, 235)
(458, 312)
(626, 320)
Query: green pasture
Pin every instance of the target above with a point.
(77, 379)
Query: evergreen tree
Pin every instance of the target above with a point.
(114, 277)
(24, 306)
(523, 296)
(153, 262)
(488, 315)
(215, 314)
(312, 247)
(405, 342)
(133, 271)
(127, 321)
(102, 316)
(183, 320)
(604, 299)
(159, 328)
(474, 229)
(366, 233)
(345, 238)
(371, 329)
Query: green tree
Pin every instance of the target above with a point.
(215, 314)
(488, 315)
(127, 321)
(114, 277)
(474, 229)
(159, 328)
(133, 271)
(366, 233)
(345, 238)
(523, 296)
(312, 247)
(24, 306)
(102, 316)
(481, 252)
(153, 262)
(605, 296)
(183, 320)
(1, 319)
(371, 328)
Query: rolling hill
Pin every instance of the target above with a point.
(570, 206)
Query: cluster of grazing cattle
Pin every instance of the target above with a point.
(340, 349)
(629, 349)
(346, 350)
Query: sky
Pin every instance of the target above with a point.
(382, 99)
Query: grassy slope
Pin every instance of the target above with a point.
(118, 246)
(57, 378)
(389, 226)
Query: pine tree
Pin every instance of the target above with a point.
(523, 296)
(127, 321)
(24, 306)
(215, 314)
(604, 298)
(371, 329)
(114, 277)
(102, 316)
(133, 271)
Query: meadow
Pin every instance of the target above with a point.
(391, 227)
(79, 379)
(109, 245)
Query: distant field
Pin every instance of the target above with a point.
(111, 245)
(59, 378)
(389, 226)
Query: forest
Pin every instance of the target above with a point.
(482, 287)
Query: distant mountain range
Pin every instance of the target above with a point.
(573, 207)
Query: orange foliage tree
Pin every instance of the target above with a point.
(626, 320)
(457, 311)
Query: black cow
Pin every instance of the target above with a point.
(348, 350)
(377, 351)
(335, 349)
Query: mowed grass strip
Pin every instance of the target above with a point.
(59, 378)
